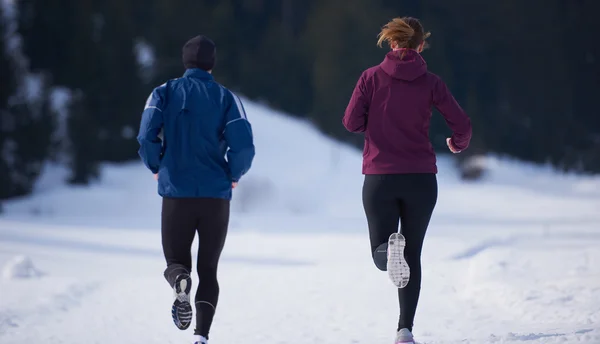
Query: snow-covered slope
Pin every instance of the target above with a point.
(299, 172)
(513, 258)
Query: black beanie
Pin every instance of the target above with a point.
(199, 52)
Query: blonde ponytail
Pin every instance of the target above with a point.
(406, 32)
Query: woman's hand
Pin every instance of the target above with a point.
(451, 146)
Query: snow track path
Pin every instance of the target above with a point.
(292, 289)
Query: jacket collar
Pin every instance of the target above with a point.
(198, 73)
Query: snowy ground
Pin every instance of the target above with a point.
(512, 259)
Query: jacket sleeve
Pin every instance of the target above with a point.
(355, 116)
(455, 117)
(238, 135)
(150, 150)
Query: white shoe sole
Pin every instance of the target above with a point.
(181, 310)
(405, 341)
(397, 267)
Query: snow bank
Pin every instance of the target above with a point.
(20, 267)
(508, 171)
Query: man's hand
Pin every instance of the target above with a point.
(233, 185)
(156, 176)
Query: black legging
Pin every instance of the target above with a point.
(181, 219)
(408, 200)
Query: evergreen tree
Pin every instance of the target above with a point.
(26, 125)
(7, 89)
(31, 138)
(341, 39)
(91, 53)
(116, 96)
(276, 67)
(177, 22)
(83, 141)
(583, 63)
(60, 39)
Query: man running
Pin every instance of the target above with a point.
(195, 138)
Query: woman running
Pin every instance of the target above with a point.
(391, 104)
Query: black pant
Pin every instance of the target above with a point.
(181, 219)
(408, 200)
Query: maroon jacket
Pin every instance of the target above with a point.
(392, 104)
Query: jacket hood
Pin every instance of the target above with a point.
(409, 68)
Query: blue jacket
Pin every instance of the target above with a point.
(194, 133)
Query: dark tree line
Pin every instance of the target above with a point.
(26, 121)
(527, 72)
